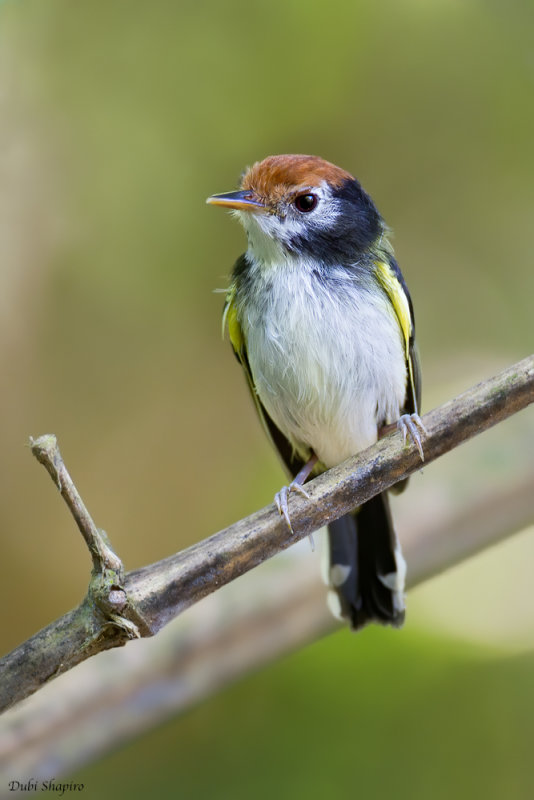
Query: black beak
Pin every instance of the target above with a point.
(241, 201)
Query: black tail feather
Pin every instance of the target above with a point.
(366, 568)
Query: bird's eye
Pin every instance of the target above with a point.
(306, 202)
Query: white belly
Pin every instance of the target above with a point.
(327, 362)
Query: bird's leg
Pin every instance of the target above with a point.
(280, 497)
(407, 424)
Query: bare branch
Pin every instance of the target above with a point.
(157, 593)
(46, 451)
(218, 641)
(165, 589)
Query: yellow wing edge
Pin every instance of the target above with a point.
(401, 305)
(230, 321)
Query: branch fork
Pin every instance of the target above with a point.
(111, 612)
(120, 606)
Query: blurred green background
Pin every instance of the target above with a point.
(117, 120)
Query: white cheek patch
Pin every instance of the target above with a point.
(263, 239)
(327, 209)
(290, 227)
(323, 216)
(267, 233)
(273, 227)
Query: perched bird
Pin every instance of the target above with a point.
(320, 319)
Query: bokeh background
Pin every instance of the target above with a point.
(117, 119)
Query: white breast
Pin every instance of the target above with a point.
(326, 357)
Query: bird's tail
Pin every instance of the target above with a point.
(366, 570)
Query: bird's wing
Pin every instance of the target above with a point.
(290, 459)
(390, 278)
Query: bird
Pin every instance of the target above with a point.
(321, 321)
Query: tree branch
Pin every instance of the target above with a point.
(46, 451)
(157, 593)
(245, 627)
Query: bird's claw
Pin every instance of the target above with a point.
(281, 497)
(409, 424)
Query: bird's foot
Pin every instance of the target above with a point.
(412, 424)
(281, 498)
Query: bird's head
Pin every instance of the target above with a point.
(304, 207)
